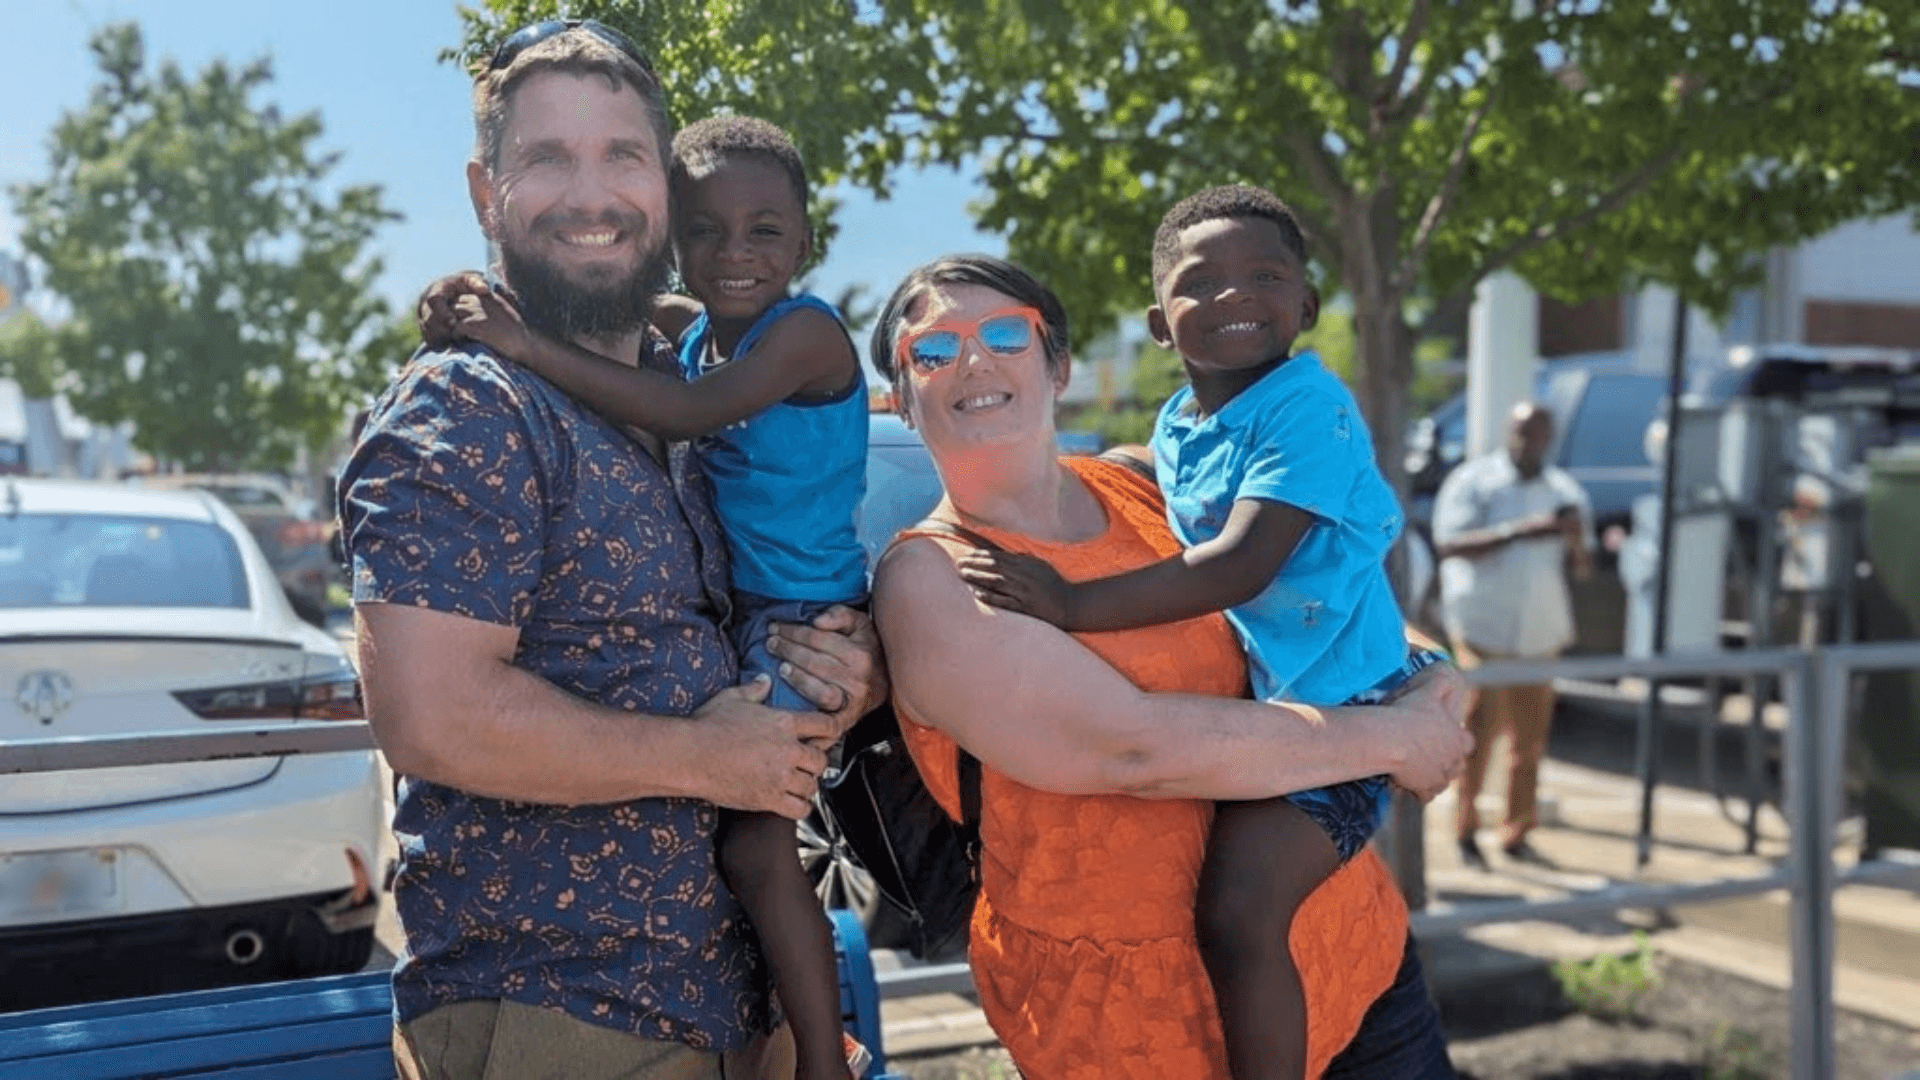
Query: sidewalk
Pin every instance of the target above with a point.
(1590, 816)
(1588, 831)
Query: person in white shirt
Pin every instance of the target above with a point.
(1508, 529)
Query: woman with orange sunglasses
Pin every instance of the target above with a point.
(1102, 754)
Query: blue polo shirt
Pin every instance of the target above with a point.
(1328, 626)
(481, 490)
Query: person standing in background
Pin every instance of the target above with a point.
(1509, 528)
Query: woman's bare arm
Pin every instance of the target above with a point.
(1038, 706)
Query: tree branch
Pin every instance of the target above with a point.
(1353, 55)
(1629, 186)
(1023, 129)
(1321, 239)
(1319, 167)
(1442, 200)
(1317, 229)
(1410, 36)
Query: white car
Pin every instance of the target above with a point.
(128, 611)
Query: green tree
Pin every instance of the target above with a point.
(1335, 338)
(1588, 146)
(29, 354)
(219, 286)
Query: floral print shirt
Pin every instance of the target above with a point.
(481, 490)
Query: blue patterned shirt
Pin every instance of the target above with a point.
(481, 490)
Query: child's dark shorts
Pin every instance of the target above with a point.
(1351, 812)
(753, 617)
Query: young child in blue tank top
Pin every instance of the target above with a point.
(775, 397)
(1272, 489)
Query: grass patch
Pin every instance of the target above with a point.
(1609, 987)
(1736, 1054)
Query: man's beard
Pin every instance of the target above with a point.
(560, 306)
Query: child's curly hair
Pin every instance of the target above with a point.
(704, 143)
(1220, 203)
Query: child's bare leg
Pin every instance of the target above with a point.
(762, 864)
(1263, 859)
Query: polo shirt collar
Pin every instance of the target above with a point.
(1249, 404)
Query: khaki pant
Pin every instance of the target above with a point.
(505, 1040)
(1524, 712)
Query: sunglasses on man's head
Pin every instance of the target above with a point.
(528, 36)
(1007, 332)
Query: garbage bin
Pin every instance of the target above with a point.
(1889, 729)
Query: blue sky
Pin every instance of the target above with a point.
(399, 117)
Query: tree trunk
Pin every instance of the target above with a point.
(1383, 347)
(1383, 375)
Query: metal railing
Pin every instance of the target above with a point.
(1816, 688)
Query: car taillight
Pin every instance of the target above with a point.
(301, 533)
(328, 691)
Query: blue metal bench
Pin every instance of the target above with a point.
(337, 1028)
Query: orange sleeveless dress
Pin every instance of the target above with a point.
(1082, 943)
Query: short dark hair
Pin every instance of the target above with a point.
(1220, 203)
(575, 51)
(704, 143)
(997, 274)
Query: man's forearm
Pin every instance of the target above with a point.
(446, 707)
(447, 704)
(513, 735)
(1473, 543)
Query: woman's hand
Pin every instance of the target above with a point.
(1435, 742)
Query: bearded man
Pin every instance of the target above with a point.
(540, 599)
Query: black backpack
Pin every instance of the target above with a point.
(925, 864)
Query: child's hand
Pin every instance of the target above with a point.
(489, 317)
(439, 322)
(1020, 583)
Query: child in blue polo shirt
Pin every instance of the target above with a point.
(775, 397)
(1272, 488)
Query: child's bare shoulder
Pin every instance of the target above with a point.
(809, 326)
(811, 317)
(810, 340)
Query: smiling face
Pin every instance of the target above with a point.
(742, 235)
(577, 203)
(1232, 302)
(983, 397)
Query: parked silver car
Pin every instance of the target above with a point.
(129, 611)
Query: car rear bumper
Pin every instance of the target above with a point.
(201, 933)
(133, 956)
(288, 836)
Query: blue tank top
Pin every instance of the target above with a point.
(788, 480)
